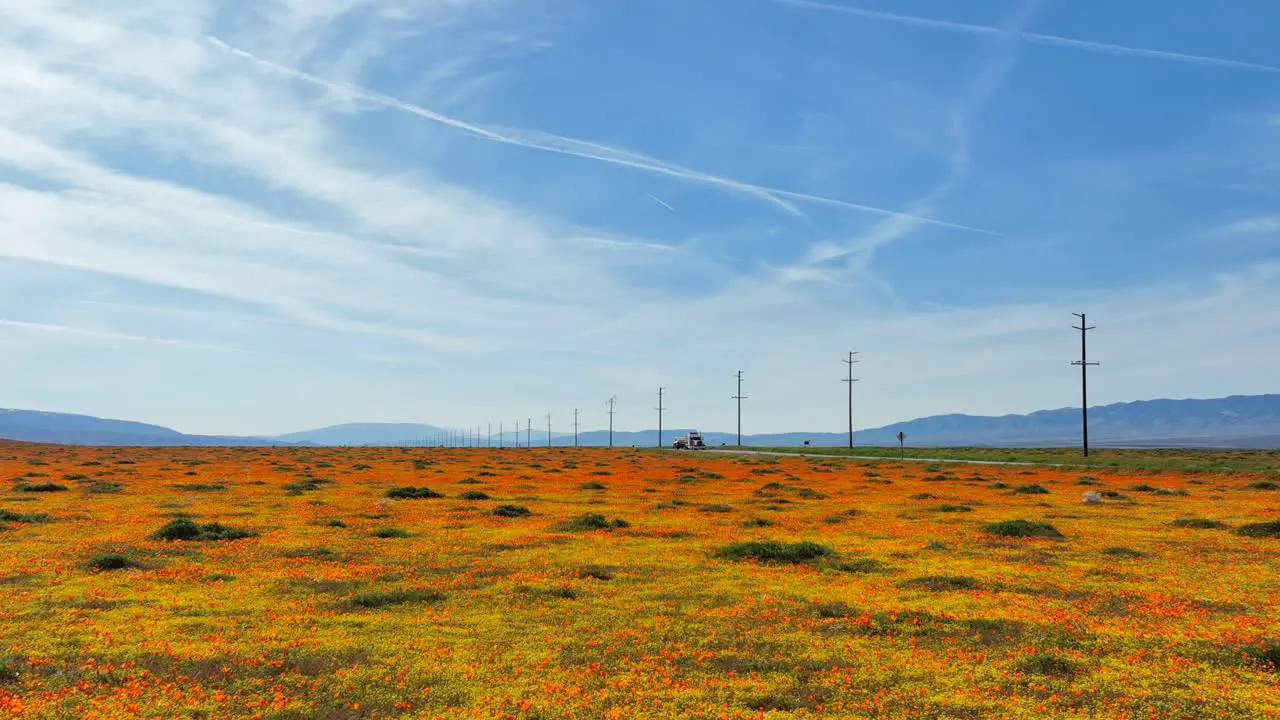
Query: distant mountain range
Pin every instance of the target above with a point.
(1241, 421)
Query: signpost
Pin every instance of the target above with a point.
(902, 439)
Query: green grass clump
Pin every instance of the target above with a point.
(9, 516)
(1260, 530)
(940, 583)
(103, 488)
(592, 486)
(188, 530)
(1198, 523)
(1088, 480)
(511, 511)
(304, 486)
(1264, 485)
(954, 508)
(388, 533)
(715, 508)
(1023, 528)
(107, 562)
(200, 487)
(1267, 658)
(40, 487)
(592, 521)
(473, 495)
(776, 552)
(1031, 490)
(413, 493)
(380, 599)
(1048, 664)
(1123, 552)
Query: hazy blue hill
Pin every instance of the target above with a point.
(365, 434)
(1239, 421)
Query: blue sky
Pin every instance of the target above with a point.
(233, 218)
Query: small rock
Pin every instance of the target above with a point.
(1092, 498)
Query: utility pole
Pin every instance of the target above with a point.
(528, 433)
(499, 436)
(1084, 364)
(611, 402)
(548, 429)
(739, 397)
(851, 362)
(575, 427)
(660, 409)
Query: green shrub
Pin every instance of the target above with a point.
(1198, 523)
(75, 477)
(1264, 485)
(776, 552)
(470, 481)
(1031, 490)
(1088, 480)
(388, 533)
(595, 572)
(592, 521)
(335, 523)
(592, 486)
(715, 508)
(188, 530)
(40, 487)
(107, 562)
(1143, 488)
(1260, 530)
(954, 508)
(379, 599)
(1023, 528)
(1123, 552)
(511, 511)
(200, 487)
(924, 496)
(413, 493)
(809, 494)
(1048, 664)
(9, 516)
(758, 522)
(103, 488)
(473, 495)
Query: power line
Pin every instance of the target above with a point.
(1084, 364)
(739, 397)
(851, 380)
(611, 402)
(660, 409)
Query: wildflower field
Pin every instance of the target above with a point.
(559, 583)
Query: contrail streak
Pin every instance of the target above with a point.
(1039, 38)
(661, 202)
(582, 149)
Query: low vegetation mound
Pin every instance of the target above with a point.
(386, 598)
(592, 521)
(473, 495)
(1023, 529)
(413, 493)
(1198, 523)
(776, 552)
(10, 516)
(184, 529)
(1260, 530)
(108, 562)
(511, 511)
(40, 487)
(941, 583)
(1031, 490)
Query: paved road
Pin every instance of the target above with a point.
(881, 458)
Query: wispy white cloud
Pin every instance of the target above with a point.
(1037, 38)
(1249, 227)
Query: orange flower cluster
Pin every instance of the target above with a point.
(294, 583)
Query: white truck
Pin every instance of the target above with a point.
(692, 441)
